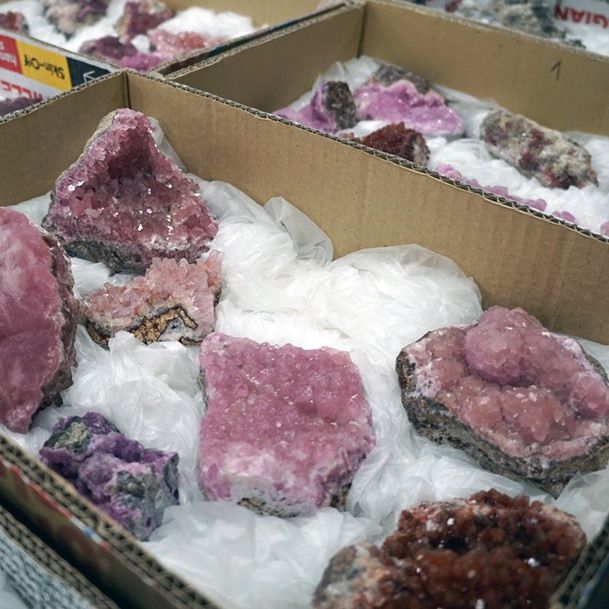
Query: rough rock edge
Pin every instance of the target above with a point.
(436, 422)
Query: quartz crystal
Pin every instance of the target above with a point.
(396, 139)
(331, 109)
(38, 315)
(69, 16)
(140, 16)
(130, 483)
(174, 300)
(286, 428)
(488, 550)
(124, 203)
(537, 152)
(523, 401)
(392, 97)
(15, 21)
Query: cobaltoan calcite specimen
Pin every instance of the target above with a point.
(524, 402)
(286, 428)
(124, 203)
(38, 318)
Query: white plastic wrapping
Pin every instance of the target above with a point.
(280, 285)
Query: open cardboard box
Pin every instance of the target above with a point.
(266, 16)
(377, 201)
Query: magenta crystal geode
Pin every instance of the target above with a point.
(174, 300)
(38, 315)
(130, 483)
(523, 401)
(537, 152)
(286, 428)
(125, 203)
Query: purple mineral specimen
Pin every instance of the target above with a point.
(71, 15)
(286, 429)
(141, 16)
(125, 54)
(130, 483)
(16, 103)
(14, 21)
(172, 301)
(536, 151)
(489, 550)
(331, 109)
(406, 101)
(124, 203)
(38, 314)
(523, 401)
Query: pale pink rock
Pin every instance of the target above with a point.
(38, 314)
(286, 428)
(174, 300)
(171, 46)
(69, 16)
(531, 399)
(124, 203)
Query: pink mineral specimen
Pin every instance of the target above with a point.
(537, 152)
(38, 314)
(14, 21)
(15, 104)
(331, 109)
(174, 300)
(286, 428)
(409, 102)
(525, 402)
(396, 139)
(124, 54)
(173, 46)
(140, 16)
(69, 16)
(125, 203)
(488, 551)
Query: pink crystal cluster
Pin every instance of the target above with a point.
(174, 300)
(286, 428)
(392, 95)
(69, 16)
(518, 385)
(38, 314)
(125, 203)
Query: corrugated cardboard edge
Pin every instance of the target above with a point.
(110, 558)
(30, 560)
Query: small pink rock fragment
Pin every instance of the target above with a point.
(15, 21)
(125, 203)
(286, 428)
(140, 16)
(171, 46)
(174, 300)
(69, 16)
(38, 315)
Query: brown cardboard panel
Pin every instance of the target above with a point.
(35, 151)
(274, 74)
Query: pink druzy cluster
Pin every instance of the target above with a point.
(515, 383)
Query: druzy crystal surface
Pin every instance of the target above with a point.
(524, 401)
(331, 108)
(396, 139)
(125, 203)
(174, 300)
(488, 550)
(130, 483)
(537, 152)
(15, 21)
(38, 315)
(140, 16)
(401, 101)
(69, 16)
(286, 428)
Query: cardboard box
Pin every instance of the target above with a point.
(39, 576)
(266, 15)
(377, 201)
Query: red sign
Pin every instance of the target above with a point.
(9, 56)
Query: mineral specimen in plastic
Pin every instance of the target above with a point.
(15, 21)
(396, 139)
(69, 16)
(286, 428)
(125, 203)
(488, 550)
(537, 152)
(411, 102)
(15, 103)
(38, 315)
(387, 74)
(130, 483)
(140, 16)
(172, 46)
(172, 301)
(524, 402)
(331, 108)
